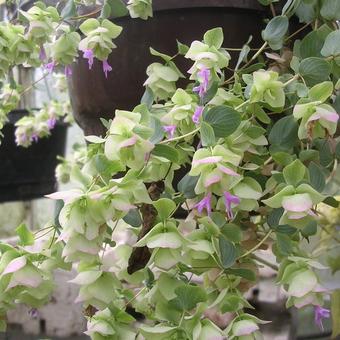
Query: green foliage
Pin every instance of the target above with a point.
(275, 31)
(223, 119)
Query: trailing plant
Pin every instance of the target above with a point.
(257, 146)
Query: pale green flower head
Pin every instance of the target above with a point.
(79, 248)
(22, 280)
(297, 202)
(97, 288)
(42, 21)
(217, 169)
(22, 50)
(205, 329)
(162, 80)
(99, 36)
(316, 120)
(65, 49)
(208, 54)
(181, 113)
(128, 140)
(267, 88)
(245, 327)
(140, 8)
(301, 282)
(109, 324)
(162, 236)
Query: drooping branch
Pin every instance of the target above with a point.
(141, 255)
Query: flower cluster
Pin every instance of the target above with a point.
(39, 124)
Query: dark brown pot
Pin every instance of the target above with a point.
(93, 96)
(28, 173)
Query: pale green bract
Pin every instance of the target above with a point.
(140, 8)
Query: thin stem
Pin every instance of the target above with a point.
(33, 84)
(135, 297)
(241, 105)
(298, 31)
(265, 262)
(291, 80)
(249, 62)
(255, 55)
(257, 246)
(42, 229)
(87, 14)
(179, 137)
(40, 236)
(272, 9)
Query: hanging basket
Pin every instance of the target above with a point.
(28, 173)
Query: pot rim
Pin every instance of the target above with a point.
(160, 5)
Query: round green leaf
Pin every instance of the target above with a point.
(223, 119)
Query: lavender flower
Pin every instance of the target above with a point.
(42, 53)
(197, 114)
(319, 314)
(106, 67)
(51, 123)
(68, 71)
(33, 313)
(229, 199)
(88, 54)
(50, 67)
(170, 130)
(204, 203)
(203, 75)
(35, 137)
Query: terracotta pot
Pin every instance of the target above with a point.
(93, 96)
(27, 173)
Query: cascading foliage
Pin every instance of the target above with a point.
(253, 150)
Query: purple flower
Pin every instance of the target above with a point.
(51, 123)
(33, 313)
(204, 203)
(50, 67)
(106, 67)
(68, 71)
(170, 130)
(88, 54)
(203, 75)
(229, 199)
(197, 114)
(35, 137)
(319, 314)
(42, 53)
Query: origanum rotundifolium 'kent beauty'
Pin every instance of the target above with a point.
(170, 206)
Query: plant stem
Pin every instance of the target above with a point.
(265, 262)
(249, 62)
(241, 105)
(87, 14)
(272, 9)
(179, 137)
(291, 80)
(298, 31)
(33, 84)
(257, 246)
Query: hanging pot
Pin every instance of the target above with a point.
(93, 96)
(28, 173)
